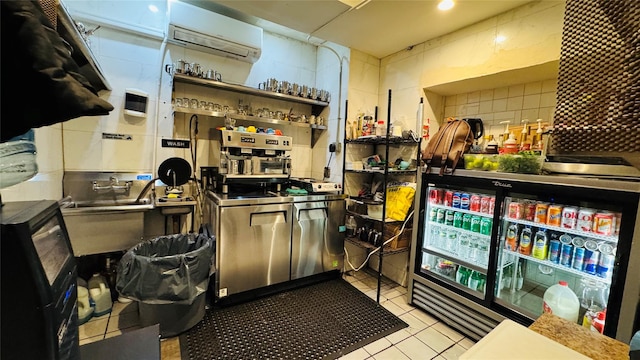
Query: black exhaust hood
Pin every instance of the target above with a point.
(80, 51)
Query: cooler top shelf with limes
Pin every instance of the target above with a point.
(527, 162)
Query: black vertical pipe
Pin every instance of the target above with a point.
(384, 193)
(344, 141)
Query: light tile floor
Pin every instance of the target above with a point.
(425, 338)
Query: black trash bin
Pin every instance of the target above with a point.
(168, 276)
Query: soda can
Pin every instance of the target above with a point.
(603, 224)
(465, 198)
(466, 221)
(569, 217)
(433, 214)
(435, 196)
(566, 254)
(516, 210)
(578, 242)
(554, 215)
(565, 239)
(585, 219)
(448, 198)
(475, 223)
(617, 219)
(554, 251)
(529, 211)
(456, 200)
(605, 265)
(475, 204)
(541, 213)
(485, 226)
(448, 217)
(485, 203)
(578, 258)
(591, 257)
(457, 219)
(440, 216)
(492, 204)
(606, 248)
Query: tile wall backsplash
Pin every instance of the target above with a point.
(530, 101)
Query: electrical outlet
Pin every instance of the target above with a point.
(327, 172)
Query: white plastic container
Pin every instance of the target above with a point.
(560, 300)
(101, 295)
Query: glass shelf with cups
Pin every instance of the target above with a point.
(181, 78)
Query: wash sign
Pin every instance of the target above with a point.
(175, 143)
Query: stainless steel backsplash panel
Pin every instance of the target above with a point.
(103, 188)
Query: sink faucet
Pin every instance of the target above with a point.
(114, 185)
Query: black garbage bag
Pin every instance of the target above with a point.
(172, 269)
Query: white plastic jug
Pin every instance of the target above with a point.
(101, 295)
(560, 300)
(85, 310)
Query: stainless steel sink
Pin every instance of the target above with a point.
(101, 212)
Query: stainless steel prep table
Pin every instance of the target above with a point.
(256, 234)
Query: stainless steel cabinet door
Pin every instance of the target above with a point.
(317, 245)
(254, 247)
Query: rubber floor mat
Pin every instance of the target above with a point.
(320, 321)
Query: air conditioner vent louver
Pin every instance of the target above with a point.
(209, 42)
(206, 31)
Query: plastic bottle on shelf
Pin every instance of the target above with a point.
(560, 300)
(598, 323)
(351, 226)
(380, 128)
(511, 145)
(540, 245)
(525, 241)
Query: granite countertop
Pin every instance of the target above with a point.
(580, 339)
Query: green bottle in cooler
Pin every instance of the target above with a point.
(462, 275)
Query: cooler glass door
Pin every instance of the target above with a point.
(456, 241)
(544, 241)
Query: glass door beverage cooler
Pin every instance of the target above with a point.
(494, 245)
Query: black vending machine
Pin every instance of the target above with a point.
(38, 277)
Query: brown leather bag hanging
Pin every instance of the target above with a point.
(447, 146)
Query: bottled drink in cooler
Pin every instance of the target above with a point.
(512, 237)
(560, 300)
(540, 245)
(525, 241)
(462, 275)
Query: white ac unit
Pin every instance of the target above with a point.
(206, 31)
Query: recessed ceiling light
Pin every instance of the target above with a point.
(153, 8)
(445, 5)
(500, 39)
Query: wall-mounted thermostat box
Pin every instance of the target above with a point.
(135, 102)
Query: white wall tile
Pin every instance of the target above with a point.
(500, 93)
(514, 103)
(548, 99)
(531, 101)
(516, 90)
(533, 88)
(486, 106)
(499, 105)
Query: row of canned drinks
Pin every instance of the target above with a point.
(567, 217)
(586, 255)
(473, 249)
(465, 221)
(463, 200)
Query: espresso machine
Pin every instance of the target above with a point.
(253, 159)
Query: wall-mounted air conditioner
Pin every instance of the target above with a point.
(206, 31)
